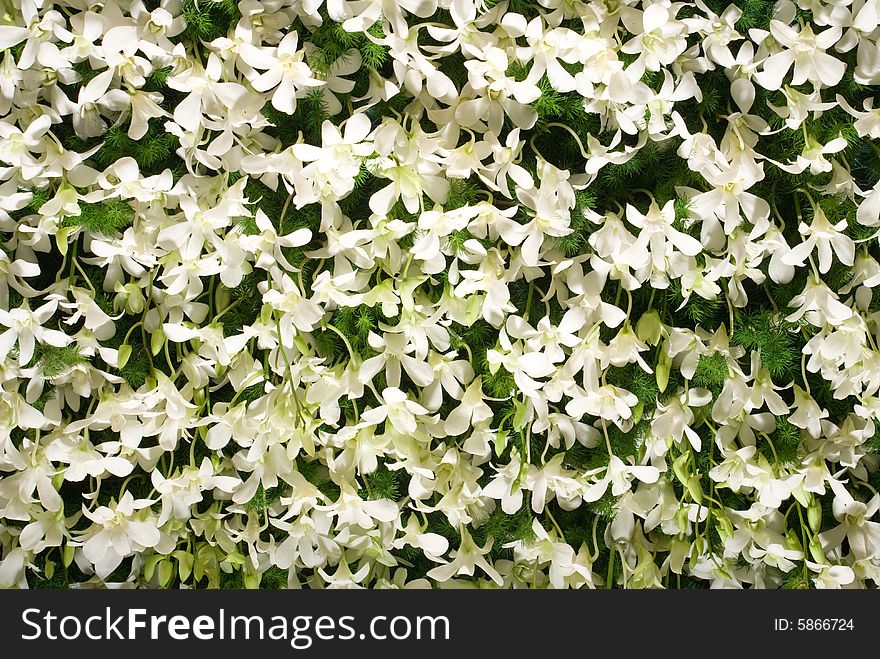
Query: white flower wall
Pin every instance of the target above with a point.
(439, 293)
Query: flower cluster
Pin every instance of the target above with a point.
(439, 293)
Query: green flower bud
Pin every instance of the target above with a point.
(124, 355)
(157, 340)
(792, 541)
(637, 412)
(694, 488)
(520, 412)
(266, 314)
(698, 549)
(661, 373)
(650, 328)
(252, 580)
(129, 297)
(724, 526)
(816, 551)
(62, 236)
(682, 519)
(222, 298)
(166, 572)
(662, 370)
(67, 555)
(678, 468)
(814, 515)
(500, 442)
(678, 552)
(184, 564)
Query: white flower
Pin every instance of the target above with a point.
(806, 51)
(472, 411)
(660, 37)
(505, 487)
(607, 402)
(831, 576)
(286, 72)
(467, 558)
(118, 530)
(26, 327)
(398, 409)
(862, 535)
(619, 475)
(335, 165)
(828, 238)
(298, 310)
(268, 245)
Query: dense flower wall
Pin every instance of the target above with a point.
(439, 293)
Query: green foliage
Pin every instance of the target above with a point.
(382, 484)
(374, 55)
(498, 384)
(54, 361)
(262, 499)
(151, 151)
(206, 21)
(755, 13)
(158, 79)
(462, 192)
(106, 218)
(706, 313)
(786, 441)
(632, 378)
(245, 305)
(503, 528)
(772, 337)
(605, 507)
(138, 368)
(356, 323)
(274, 578)
(332, 43)
(318, 475)
(712, 370)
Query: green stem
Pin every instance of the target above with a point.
(609, 579)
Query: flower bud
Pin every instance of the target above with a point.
(814, 515)
(500, 442)
(816, 551)
(124, 355)
(678, 468)
(67, 555)
(682, 518)
(724, 526)
(661, 373)
(650, 328)
(792, 541)
(129, 297)
(222, 298)
(694, 488)
(62, 238)
(252, 580)
(698, 548)
(678, 552)
(157, 340)
(166, 572)
(637, 412)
